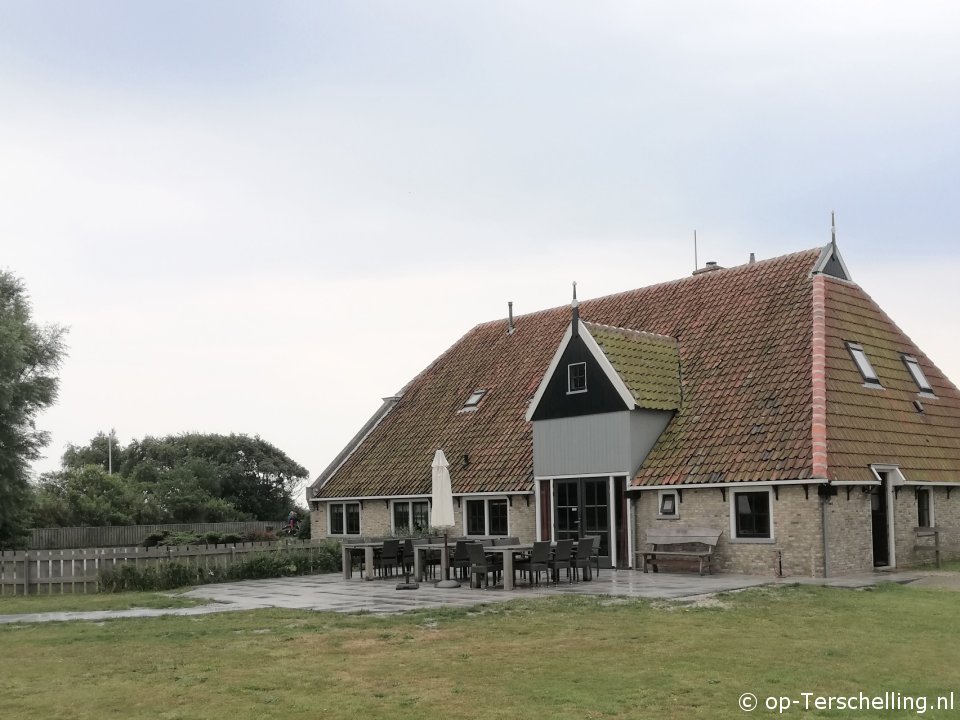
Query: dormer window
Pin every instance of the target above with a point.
(473, 400)
(576, 378)
(916, 372)
(863, 364)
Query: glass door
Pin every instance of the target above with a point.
(582, 507)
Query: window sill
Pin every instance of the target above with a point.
(752, 541)
(576, 392)
(668, 517)
(873, 386)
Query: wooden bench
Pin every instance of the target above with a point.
(676, 537)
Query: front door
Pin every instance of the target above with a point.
(583, 508)
(878, 517)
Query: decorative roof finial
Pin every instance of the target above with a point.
(575, 312)
(833, 229)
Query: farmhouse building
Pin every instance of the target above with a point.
(774, 401)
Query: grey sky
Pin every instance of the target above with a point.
(262, 217)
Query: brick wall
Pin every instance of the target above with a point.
(946, 516)
(375, 519)
(849, 532)
(796, 529)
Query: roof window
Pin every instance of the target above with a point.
(863, 364)
(916, 372)
(473, 400)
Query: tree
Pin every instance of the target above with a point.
(179, 478)
(30, 356)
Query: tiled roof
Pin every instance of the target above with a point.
(648, 364)
(744, 338)
(872, 426)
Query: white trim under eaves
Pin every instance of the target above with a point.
(591, 474)
(735, 484)
(415, 497)
(844, 483)
(927, 483)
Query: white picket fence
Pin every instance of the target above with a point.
(29, 572)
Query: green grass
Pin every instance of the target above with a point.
(16, 604)
(564, 657)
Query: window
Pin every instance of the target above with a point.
(486, 517)
(924, 508)
(751, 515)
(667, 505)
(411, 515)
(863, 364)
(344, 518)
(577, 377)
(475, 397)
(916, 372)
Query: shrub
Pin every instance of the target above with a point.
(259, 536)
(321, 558)
(213, 537)
(154, 539)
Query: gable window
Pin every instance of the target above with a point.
(471, 404)
(863, 364)
(577, 377)
(486, 517)
(667, 504)
(751, 515)
(916, 372)
(344, 518)
(924, 508)
(411, 515)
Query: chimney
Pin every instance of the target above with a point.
(753, 258)
(709, 267)
(510, 327)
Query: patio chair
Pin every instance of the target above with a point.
(461, 559)
(537, 562)
(562, 557)
(596, 553)
(582, 557)
(389, 557)
(480, 564)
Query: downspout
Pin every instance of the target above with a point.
(823, 534)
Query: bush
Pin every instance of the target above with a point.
(154, 539)
(213, 537)
(259, 536)
(321, 558)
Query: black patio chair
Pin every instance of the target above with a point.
(537, 562)
(480, 564)
(582, 557)
(389, 557)
(562, 557)
(596, 553)
(461, 559)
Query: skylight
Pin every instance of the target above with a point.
(916, 372)
(863, 364)
(474, 399)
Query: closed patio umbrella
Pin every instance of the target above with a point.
(442, 512)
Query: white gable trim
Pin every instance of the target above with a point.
(830, 250)
(598, 355)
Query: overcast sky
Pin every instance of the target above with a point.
(263, 217)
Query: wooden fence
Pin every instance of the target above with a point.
(29, 572)
(121, 535)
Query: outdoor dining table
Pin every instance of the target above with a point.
(368, 548)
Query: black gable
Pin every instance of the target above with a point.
(601, 396)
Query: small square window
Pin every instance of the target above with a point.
(916, 372)
(475, 397)
(863, 364)
(668, 504)
(577, 377)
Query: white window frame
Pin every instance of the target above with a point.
(486, 515)
(863, 364)
(409, 503)
(916, 372)
(344, 503)
(734, 538)
(676, 505)
(570, 390)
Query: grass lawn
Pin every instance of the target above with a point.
(15, 604)
(564, 657)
